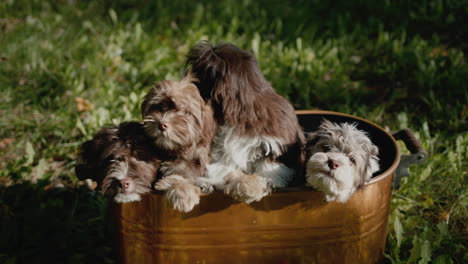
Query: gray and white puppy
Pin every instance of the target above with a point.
(341, 159)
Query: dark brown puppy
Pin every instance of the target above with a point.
(259, 143)
(122, 160)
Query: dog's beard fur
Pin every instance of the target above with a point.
(179, 121)
(128, 178)
(342, 159)
(250, 113)
(121, 160)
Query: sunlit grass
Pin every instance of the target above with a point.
(67, 68)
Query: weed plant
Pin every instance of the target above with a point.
(67, 68)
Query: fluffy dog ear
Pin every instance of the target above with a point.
(87, 160)
(94, 152)
(189, 78)
(327, 125)
(312, 138)
(324, 130)
(372, 164)
(209, 123)
(327, 128)
(147, 101)
(228, 75)
(206, 66)
(151, 97)
(374, 159)
(82, 172)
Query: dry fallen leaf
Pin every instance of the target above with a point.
(5, 142)
(83, 105)
(327, 76)
(441, 51)
(444, 216)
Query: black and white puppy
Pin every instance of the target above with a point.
(259, 143)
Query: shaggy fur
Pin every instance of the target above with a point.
(259, 143)
(121, 160)
(342, 159)
(177, 120)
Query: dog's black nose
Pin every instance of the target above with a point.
(333, 164)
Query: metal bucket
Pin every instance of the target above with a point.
(292, 225)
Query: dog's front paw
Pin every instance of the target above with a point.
(184, 197)
(246, 188)
(182, 194)
(339, 196)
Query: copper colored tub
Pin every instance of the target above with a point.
(292, 225)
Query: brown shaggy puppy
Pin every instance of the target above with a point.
(122, 160)
(177, 120)
(259, 143)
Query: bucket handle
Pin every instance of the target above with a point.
(418, 154)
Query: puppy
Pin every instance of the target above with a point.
(259, 143)
(178, 121)
(342, 159)
(122, 161)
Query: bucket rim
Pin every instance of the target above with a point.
(387, 173)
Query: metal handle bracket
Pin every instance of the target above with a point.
(418, 154)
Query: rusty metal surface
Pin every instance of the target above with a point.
(292, 225)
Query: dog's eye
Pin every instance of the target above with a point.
(326, 148)
(155, 108)
(186, 112)
(353, 160)
(148, 121)
(117, 159)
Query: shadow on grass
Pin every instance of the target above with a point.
(54, 226)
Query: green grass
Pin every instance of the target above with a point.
(401, 64)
